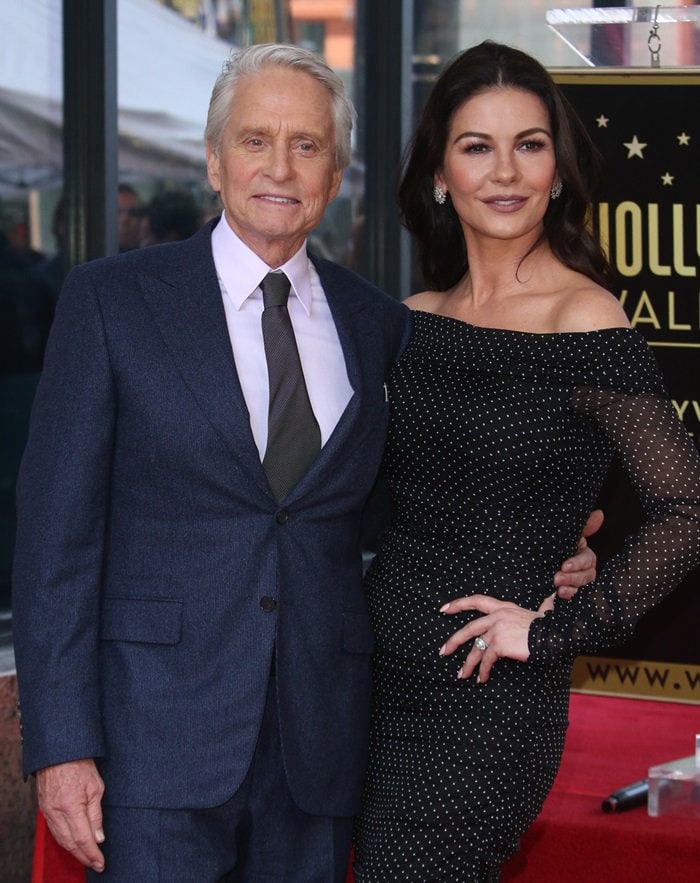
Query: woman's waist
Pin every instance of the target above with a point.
(499, 549)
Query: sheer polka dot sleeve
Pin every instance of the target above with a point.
(664, 466)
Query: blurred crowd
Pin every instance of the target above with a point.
(168, 216)
(30, 282)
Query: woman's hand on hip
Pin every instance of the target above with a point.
(501, 632)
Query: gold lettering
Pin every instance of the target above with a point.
(672, 325)
(604, 228)
(629, 265)
(696, 408)
(656, 268)
(660, 309)
(678, 242)
(634, 244)
(680, 409)
(644, 304)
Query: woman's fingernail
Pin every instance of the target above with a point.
(441, 651)
(444, 607)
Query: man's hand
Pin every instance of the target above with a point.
(581, 568)
(70, 796)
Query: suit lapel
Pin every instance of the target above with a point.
(356, 332)
(185, 299)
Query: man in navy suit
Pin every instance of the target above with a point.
(193, 653)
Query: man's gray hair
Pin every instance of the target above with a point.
(265, 55)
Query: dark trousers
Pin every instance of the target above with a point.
(259, 836)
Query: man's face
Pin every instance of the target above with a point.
(275, 168)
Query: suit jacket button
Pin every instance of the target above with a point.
(268, 604)
(282, 516)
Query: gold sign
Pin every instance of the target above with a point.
(647, 215)
(633, 677)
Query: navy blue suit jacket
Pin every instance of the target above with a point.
(149, 545)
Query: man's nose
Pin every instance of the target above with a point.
(280, 165)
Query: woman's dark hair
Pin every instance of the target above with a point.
(436, 228)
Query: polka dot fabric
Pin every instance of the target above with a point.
(498, 444)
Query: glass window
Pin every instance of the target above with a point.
(169, 55)
(442, 28)
(31, 232)
(563, 34)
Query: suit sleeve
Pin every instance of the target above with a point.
(62, 508)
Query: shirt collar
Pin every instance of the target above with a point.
(241, 271)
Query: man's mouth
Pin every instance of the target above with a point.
(282, 200)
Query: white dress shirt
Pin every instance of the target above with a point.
(240, 273)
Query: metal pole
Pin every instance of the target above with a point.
(90, 145)
(388, 28)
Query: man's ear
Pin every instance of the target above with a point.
(336, 180)
(213, 168)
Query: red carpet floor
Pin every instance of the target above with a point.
(611, 743)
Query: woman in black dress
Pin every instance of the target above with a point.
(521, 381)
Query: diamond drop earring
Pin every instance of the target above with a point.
(556, 190)
(439, 195)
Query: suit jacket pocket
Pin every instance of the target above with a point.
(357, 633)
(141, 620)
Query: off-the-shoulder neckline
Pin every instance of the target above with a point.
(595, 331)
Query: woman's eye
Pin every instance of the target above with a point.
(532, 145)
(476, 148)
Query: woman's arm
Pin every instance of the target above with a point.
(664, 467)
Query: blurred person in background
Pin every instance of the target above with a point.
(130, 211)
(171, 216)
(26, 313)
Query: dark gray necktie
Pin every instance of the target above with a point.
(293, 436)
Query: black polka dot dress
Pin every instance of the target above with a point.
(497, 447)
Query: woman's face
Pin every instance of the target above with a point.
(499, 164)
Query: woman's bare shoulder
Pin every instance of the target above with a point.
(590, 307)
(429, 301)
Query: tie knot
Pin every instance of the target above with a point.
(275, 289)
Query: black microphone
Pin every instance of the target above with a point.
(627, 797)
